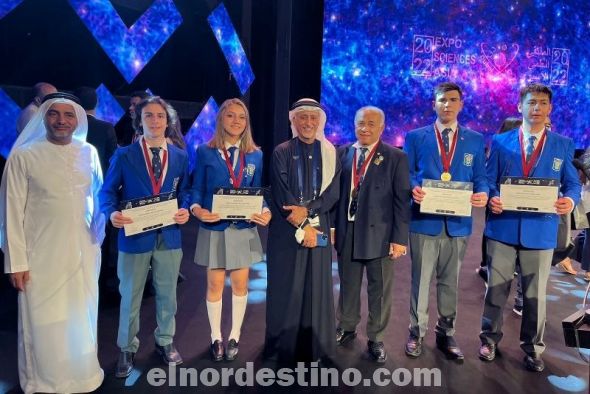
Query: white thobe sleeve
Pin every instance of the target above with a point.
(15, 247)
(97, 227)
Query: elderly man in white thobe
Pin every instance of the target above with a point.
(51, 230)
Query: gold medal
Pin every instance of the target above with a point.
(445, 176)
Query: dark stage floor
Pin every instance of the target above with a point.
(564, 372)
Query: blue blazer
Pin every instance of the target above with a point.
(127, 178)
(211, 173)
(382, 215)
(468, 165)
(531, 230)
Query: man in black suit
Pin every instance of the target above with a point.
(372, 218)
(101, 134)
(126, 134)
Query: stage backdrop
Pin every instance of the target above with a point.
(391, 53)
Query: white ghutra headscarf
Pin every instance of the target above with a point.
(327, 149)
(35, 131)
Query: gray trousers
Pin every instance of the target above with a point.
(132, 270)
(379, 288)
(443, 255)
(535, 266)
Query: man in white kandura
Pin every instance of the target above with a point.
(51, 231)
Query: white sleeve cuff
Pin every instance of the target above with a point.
(194, 206)
(573, 205)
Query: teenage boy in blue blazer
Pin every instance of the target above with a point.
(530, 151)
(147, 167)
(446, 151)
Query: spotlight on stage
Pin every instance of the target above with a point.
(576, 327)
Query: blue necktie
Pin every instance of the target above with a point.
(361, 159)
(156, 163)
(232, 152)
(445, 138)
(530, 148)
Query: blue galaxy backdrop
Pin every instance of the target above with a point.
(131, 49)
(391, 53)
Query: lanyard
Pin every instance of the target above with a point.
(235, 181)
(445, 157)
(527, 167)
(361, 173)
(156, 185)
(314, 164)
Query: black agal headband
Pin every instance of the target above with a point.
(62, 95)
(306, 103)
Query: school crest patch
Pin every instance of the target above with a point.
(250, 169)
(468, 159)
(557, 164)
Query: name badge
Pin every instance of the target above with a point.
(557, 164)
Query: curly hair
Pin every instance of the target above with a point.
(171, 115)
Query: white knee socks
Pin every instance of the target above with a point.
(214, 312)
(237, 315)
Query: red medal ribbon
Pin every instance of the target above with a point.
(527, 167)
(445, 157)
(357, 176)
(235, 181)
(156, 185)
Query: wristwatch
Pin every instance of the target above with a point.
(304, 223)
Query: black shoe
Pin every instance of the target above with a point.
(449, 347)
(483, 273)
(216, 350)
(232, 350)
(534, 363)
(169, 354)
(487, 351)
(343, 337)
(377, 351)
(125, 364)
(414, 346)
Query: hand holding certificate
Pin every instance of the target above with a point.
(237, 204)
(446, 198)
(529, 194)
(149, 213)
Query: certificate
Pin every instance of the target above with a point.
(150, 213)
(446, 198)
(529, 194)
(237, 204)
